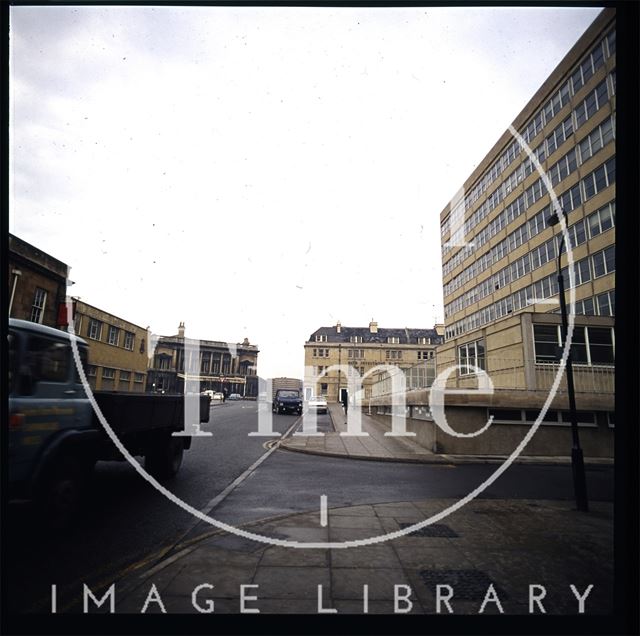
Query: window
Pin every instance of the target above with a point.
(393, 340)
(546, 342)
(108, 373)
(113, 336)
(77, 323)
(601, 345)
(48, 360)
(125, 376)
(471, 355)
(94, 330)
(393, 354)
(138, 377)
(356, 353)
(39, 303)
(425, 355)
(589, 345)
(205, 363)
(604, 262)
(321, 338)
(129, 339)
(606, 304)
(92, 370)
(356, 339)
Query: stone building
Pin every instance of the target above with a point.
(367, 350)
(225, 367)
(37, 286)
(117, 349)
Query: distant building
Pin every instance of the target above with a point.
(225, 367)
(37, 285)
(364, 349)
(117, 349)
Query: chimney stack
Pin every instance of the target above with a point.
(181, 330)
(338, 327)
(439, 327)
(373, 326)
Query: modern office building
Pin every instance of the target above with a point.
(225, 367)
(367, 350)
(117, 358)
(500, 255)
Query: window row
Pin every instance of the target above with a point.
(590, 64)
(594, 182)
(589, 345)
(95, 329)
(594, 266)
(109, 373)
(321, 353)
(552, 417)
(600, 305)
(584, 111)
(594, 224)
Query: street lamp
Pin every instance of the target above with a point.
(577, 459)
(339, 363)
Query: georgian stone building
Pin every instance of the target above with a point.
(366, 349)
(225, 367)
(37, 286)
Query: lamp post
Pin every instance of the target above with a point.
(339, 363)
(577, 459)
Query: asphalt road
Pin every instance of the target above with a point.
(127, 520)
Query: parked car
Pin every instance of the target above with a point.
(234, 396)
(214, 395)
(318, 403)
(287, 401)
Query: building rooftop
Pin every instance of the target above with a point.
(373, 334)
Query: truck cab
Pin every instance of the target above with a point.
(47, 402)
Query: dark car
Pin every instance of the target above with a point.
(287, 401)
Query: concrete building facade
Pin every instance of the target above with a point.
(37, 285)
(117, 349)
(500, 258)
(365, 349)
(499, 265)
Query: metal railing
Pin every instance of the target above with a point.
(505, 373)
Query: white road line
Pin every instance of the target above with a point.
(323, 511)
(217, 500)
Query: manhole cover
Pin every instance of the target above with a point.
(435, 530)
(468, 585)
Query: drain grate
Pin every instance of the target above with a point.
(435, 530)
(468, 585)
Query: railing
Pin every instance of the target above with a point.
(586, 379)
(505, 374)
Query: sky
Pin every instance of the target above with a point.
(261, 172)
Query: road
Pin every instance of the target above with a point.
(127, 520)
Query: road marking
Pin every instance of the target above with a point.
(323, 511)
(218, 499)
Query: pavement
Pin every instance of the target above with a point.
(484, 555)
(377, 446)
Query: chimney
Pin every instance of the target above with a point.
(181, 330)
(373, 327)
(338, 327)
(439, 327)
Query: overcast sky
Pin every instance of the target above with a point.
(261, 173)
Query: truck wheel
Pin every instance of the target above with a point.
(165, 459)
(61, 494)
